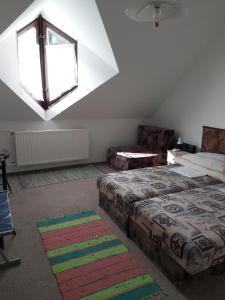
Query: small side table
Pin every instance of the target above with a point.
(5, 183)
(171, 156)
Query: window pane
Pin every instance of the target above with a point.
(54, 38)
(29, 63)
(61, 65)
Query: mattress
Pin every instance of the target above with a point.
(123, 189)
(189, 225)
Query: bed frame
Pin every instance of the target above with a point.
(167, 265)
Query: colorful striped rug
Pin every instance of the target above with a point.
(90, 263)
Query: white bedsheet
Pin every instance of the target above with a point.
(211, 161)
(188, 171)
(184, 162)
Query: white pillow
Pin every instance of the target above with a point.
(207, 160)
(212, 155)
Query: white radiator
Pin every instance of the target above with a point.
(49, 146)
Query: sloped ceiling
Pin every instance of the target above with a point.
(10, 10)
(150, 61)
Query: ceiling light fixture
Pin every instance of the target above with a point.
(151, 11)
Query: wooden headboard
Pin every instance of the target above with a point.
(213, 140)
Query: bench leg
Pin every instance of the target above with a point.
(7, 182)
(8, 262)
(4, 177)
(2, 242)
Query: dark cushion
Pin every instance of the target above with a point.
(156, 138)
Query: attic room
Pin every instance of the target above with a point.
(112, 149)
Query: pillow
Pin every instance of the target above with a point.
(211, 161)
(212, 155)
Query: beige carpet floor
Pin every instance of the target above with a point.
(33, 280)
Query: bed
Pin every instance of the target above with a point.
(211, 159)
(188, 226)
(185, 231)
(178, 220)
(119, 191)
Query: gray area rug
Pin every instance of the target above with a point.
(105, 168)
(38, 179)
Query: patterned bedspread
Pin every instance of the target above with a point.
(189, 225)
(125, 188)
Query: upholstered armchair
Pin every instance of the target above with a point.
(151, 149)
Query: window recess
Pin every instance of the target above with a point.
(47, 60)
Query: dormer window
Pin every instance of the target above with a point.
(47, 62)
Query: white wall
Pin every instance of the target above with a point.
(103, 134)
(199, 97)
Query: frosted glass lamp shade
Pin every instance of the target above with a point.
(151, 11)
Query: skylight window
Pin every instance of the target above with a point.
(47, 62)
(49, 85)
